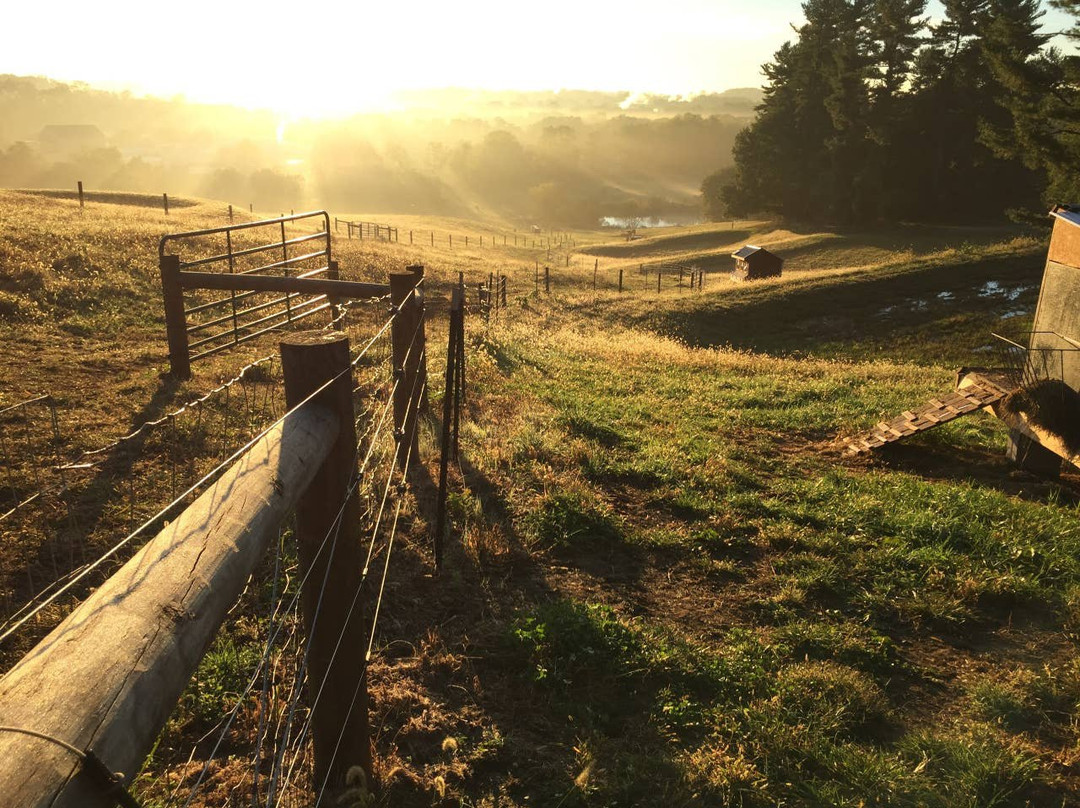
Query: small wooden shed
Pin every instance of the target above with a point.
(755, 262)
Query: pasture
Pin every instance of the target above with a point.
(665, 585)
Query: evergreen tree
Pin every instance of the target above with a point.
(864, 116)
(897, 28)
(805, 153)
(1041, 98)
(958, 177)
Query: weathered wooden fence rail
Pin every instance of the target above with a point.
(108, 677)
(90, 700)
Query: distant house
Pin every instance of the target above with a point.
(69, 139)
(753, 262)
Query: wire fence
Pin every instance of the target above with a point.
(63, 506)
(538, 240)
(248, 700)
(267, 722)
(247, 727)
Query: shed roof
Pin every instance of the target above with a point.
(749, 249)
(1070, 213)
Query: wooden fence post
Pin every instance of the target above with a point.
(620, 280)
(421, 312)
(165, 199)
(175, 319)
(547, 280)
(459, 388)
(333, 273)
(450, 400)
(230, 215)
(659, 272)
(406, 346)
(332, 559)
(81, 203)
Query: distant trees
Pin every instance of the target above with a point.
(873, 113)
(712, 188)
(1041, 98)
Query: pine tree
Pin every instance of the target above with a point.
(896, 28)
(956, 177)
(805, 153)
(1040, 99)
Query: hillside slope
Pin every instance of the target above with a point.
(664, 586)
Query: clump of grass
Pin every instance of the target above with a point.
(564, 520)
(737, 722)
(969, 769)
(834, 699)
(847, 642)
(1042, 700)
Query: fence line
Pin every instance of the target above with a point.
(402, 392)
(373, 231)
(369, 230)
(284, 481)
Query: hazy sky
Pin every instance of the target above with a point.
(336, 57)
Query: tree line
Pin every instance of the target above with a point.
(873, 113)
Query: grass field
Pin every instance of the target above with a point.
(666, 585)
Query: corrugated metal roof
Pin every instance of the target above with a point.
(746, 251)
(1070, 213)
(750, 249)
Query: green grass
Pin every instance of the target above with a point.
(631, 456)
(932, 310)
(743, 722)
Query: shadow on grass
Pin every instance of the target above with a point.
(503, 714)
(985, 469)
(912, 315)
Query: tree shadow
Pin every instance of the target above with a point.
(811, 315)
(470, 662)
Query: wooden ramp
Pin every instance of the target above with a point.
(975, 392)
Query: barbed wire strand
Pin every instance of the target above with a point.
(161, 514)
